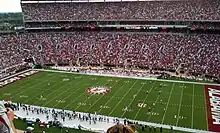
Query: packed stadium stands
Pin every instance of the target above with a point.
(190, 52)
(194, 53)
(148, 10)
(12, 54)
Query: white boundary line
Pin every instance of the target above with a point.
(132, 77)
(145, 99)
(167, 104)
(122, 98)
(181, 98)
(207, 122)
(192, 108)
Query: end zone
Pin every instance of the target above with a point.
(212, 94)
(18, 76)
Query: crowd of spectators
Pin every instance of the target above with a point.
(147, 10)
(193, 53)
(51, 117)
(12, 55)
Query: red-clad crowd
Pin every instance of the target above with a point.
(193, 53)
(12, 55)
(145, 10)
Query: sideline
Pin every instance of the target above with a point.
(98, 126)
(132, 77)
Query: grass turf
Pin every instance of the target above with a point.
(182, 104)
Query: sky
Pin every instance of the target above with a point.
(10, 6)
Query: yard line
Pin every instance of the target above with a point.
(192, 107)
(72, 92)
(168, 103)
(133, 99)
(31, 86)
(122, 98)
(81, 95)
(156, 102)
(88, 97)
(145, 99)
(111, 98)
(41, 92)
(98, 99)
(180, 106)
(154, 107)
(73, 100)
(64, 91)
(49, 93)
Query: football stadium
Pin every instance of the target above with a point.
(110, 66)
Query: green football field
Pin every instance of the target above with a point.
(178, 104)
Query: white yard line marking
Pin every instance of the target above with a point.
(42, 92)
(133, 99)
(111, 97)
(156, 102)
(74, 100)
(98, 100)
(61, 89)
(181, 98)
(59, 93)
(28, 88)
(167, 104)
(192, 108)
(145, 99)
(122, 98)
(72, 92)
(27, 82)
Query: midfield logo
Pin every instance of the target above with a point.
(98, 90)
